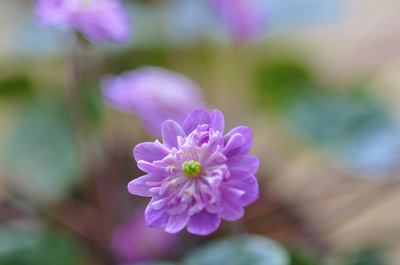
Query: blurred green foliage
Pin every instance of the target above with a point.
(241, 250)
(366, 257)
(279, 83)
(92, 102)
(20, 247)
(41, 153)
(351, 126)
(16, 86)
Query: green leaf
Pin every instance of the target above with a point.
(280, 82)
(303, 257)
(241, 250)
(92, 104)
(20, 247)
(354, 130)
(16, 86)
(366, 257)
(41, 152)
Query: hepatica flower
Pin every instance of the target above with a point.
(154, 94)
(244, 18)
(197, 176)
(98, 20)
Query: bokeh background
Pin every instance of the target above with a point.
(319, 87)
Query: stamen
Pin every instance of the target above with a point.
(191, 169)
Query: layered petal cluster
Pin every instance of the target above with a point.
(197, 176)
(154, 94)
(244, 18)
(98, 20)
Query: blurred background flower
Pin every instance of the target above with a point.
(97, 20)
(245, 19)
(132, 241)
(154, 94)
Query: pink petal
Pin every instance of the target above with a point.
(235, 141)
(170, 131)
(242, 166)
(194, 119)
(249, 185)
(232, 210)
(203, 223)
(178, 209)
(150, 168)
(156, 218)
(217, 121)
(177, 222)
(138, 186)
(248, 141)
(231, 193)
(148, 152)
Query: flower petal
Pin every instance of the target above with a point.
(217, 121)
(249, 185)
(248, 141)
(177, 222)
(242, 166)
(232, 210)
(116, 95)
(235, 141)
(150, 168)
(194, 119)
(178, 209)
(231, 193)
(203, 223)
(138, 186)
(148, 152)
(156, 218)
(170, 131)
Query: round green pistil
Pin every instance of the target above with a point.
(191, 168)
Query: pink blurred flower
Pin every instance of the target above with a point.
(154, 94)
(134, 241)
(244, 18)
(98, 20)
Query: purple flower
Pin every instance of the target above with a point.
(196, 176)
(98, 20)
(244, 18)
(153, 93)
(132, 241)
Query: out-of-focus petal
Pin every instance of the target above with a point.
(154, 94)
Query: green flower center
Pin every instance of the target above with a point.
(191, 168)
